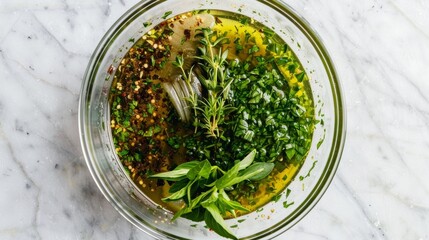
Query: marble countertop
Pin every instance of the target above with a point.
(381, 190)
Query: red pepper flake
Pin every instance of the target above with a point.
(110, 69)
(187, 33)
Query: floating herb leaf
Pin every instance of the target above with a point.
(215, 221)
(286, 204)
(166, 14)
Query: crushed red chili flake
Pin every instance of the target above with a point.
(140, 109)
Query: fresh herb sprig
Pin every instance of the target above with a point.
(211, 71)
(204, 187)
(212, 75)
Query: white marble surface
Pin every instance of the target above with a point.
(381, 190)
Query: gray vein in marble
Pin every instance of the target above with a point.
(55, 144)
(91, 223)
(132, 233)
(46, 31)
(411, 108)
(365, 102)
(34, 222)
(60, 131)
(39, 5)
(73, 11)
(62, 148)
(46, 115)
(11, 29)
(67, 213)
(361, 206)
(406, 202)
(313, 236)
(416, 88)
(362, 89)
(67, 7)
(382, 64)
(389, 141)
(131, 236)
(391, 89)
(423, 113)
(409, 20)
(31, 73)
(107, 9)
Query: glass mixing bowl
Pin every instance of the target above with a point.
(304, 191)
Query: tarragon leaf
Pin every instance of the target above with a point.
(229, 176)
(180, 213)
(230, 204)
(256, 171)
(175, 175)
(177, 195)
(191, 205)
(187, 165)
(261, 168)
(212, 199)
(178, 185)
(203, 169)
(225, 204)
(247, 160)
(197, 214)
(179, 173)
(215, 221)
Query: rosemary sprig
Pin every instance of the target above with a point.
(213, 62)
(208, 112)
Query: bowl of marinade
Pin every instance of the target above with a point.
(212, 119)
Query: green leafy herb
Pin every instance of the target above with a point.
(276, 198)
(288, 191)
(301, 178)
(166, 14)
(321, 141)
(203, 189)
(213, 77)
(215, 221)
(286, 204)
(174, 142)
(150, 108)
